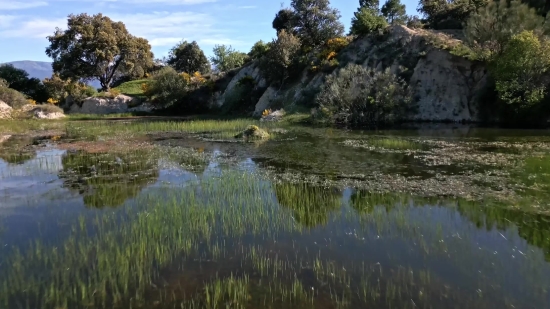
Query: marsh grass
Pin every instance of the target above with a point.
(395, 143)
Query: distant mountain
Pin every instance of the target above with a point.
(40, 69)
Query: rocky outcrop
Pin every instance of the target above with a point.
(445, 87)
(5, 110)
(42, 111)
(105, 105)
(251, 70)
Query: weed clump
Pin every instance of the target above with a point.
(253, 132)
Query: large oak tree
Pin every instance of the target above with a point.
(95, 47)
(189, 58)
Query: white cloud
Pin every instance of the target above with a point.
(163, 29)
(32, 28)
(6, 20)
(20, 5)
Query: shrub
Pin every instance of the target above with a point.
(489, 29)
(12, 97)
(366, 21)
(3, 83)
(359, 96)
(259, 50)
(519, 71)
(166, 88)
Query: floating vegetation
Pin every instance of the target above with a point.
(132, 220)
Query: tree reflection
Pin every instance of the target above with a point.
(310, 205)
(108, 179)
(17, 149)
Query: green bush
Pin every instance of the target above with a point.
(367, 21)
(259, 50)
(12, 97)
(520, 70)
(359, 96)
(166, 88)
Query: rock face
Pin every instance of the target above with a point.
(101, 105)
(5, 110)
(251, 70)
(445, 87)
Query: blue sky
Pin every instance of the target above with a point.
(24, 24)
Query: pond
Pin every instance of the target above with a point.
(436, 217)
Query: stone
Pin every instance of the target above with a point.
(104, 105)
(5, 110)
(273, 116)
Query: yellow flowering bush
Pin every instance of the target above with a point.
(266, 112)
(52, 101)
(31, 101)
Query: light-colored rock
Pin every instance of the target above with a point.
(42, 114)
(251, 70)
(5, 110)
(102, 105)
(274, 116)
(265, 101)
(4, 138)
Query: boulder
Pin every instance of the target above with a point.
(251, 70)
(4, 138)
(273, 116)
(44, 114)
(103, 105)
(5, 110)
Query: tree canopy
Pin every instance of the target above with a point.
(189, 58)
(285, 19)
(394, 11)
(95, 47)
(316, 21)
(367, 20)
(19, 80)
(226, 58)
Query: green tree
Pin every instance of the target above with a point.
(285, 19)
(371, 4)
(520, 69)
(394, 11)
(444, 14)
(316, 21)
(226, 58)
(489, 29)
(19, 80)
(259, 50)
(95, 47)
(366, 21)
(189, 58)
(281, 57)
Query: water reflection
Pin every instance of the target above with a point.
(17, 150)
(310, 205)
(108, 179)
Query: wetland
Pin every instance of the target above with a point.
(160, 213)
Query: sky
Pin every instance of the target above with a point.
(25, 24)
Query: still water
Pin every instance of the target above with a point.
(136, 230)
